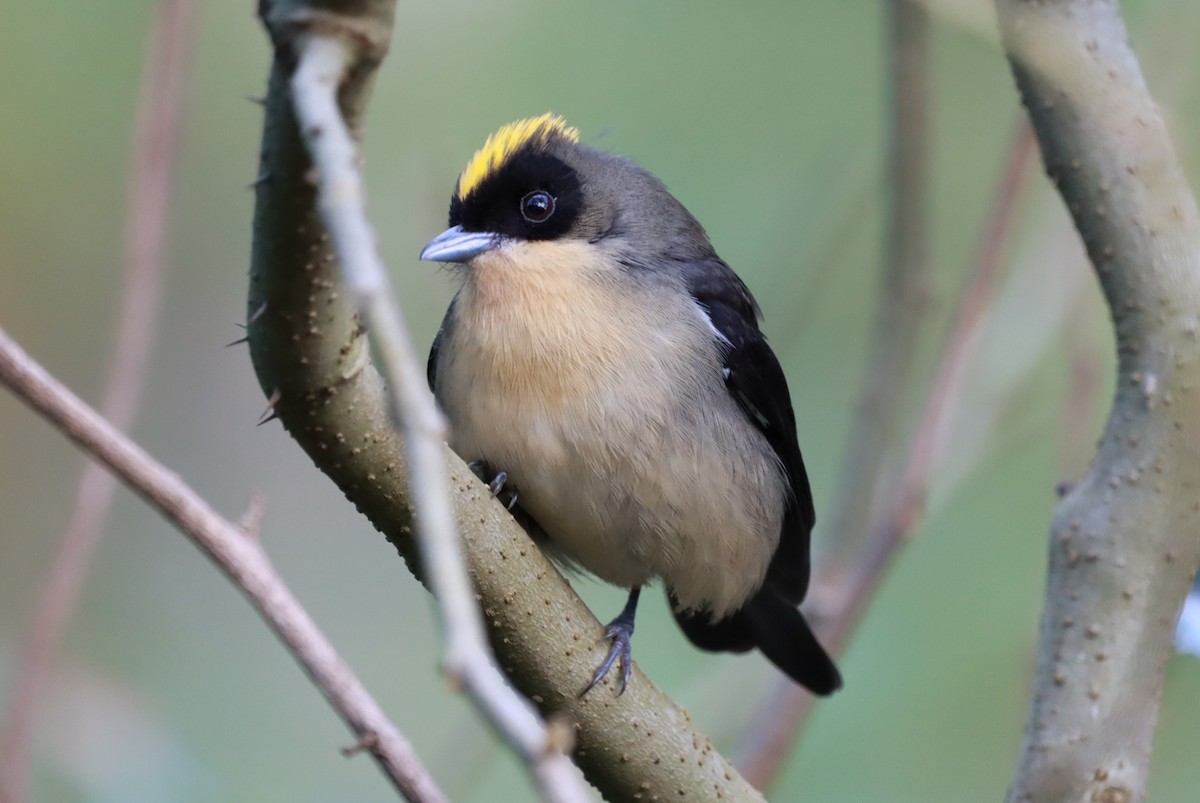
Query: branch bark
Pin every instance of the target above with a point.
(312, 360)
(237, 552)
(1125, 542)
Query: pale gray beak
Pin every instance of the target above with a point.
(456, 245)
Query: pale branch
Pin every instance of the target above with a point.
(1125, 541)
(311, 356)
(322, 66)
(160, 117)
(236, 552)
(844, 592)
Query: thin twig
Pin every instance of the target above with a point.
(156, 139)
(904, 294)
(907, 280)
(845, 593)
(240, 556)
(322, 64)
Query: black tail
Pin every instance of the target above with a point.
(776, 627)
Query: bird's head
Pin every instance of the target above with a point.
(533, 181)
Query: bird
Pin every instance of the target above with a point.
(607, 369)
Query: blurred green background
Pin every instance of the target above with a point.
(765, 119)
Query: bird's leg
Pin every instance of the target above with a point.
(619, 631)
(495, 483)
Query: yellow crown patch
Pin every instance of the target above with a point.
(507, 141)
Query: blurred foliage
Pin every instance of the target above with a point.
(765, 119)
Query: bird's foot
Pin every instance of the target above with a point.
(496, 483)
(620, 649)
(620, 633)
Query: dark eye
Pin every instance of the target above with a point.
(537, 206)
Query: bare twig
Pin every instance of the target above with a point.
(240, 557)
(1123, 543)
(156, 138)
(322, 64)
(904, 294)
(907, 279)
(844, 592)
(908, 502)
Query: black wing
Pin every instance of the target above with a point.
(431, 364)
(756, 381)
(769, 620)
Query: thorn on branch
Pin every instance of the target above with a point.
(263, 178)
(251, 522)
(454, 680)
(367, 743)
(269, 414)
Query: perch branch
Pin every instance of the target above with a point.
(311, 357)
(468, 660)
(160, 115)
(1125, 541)
(239, 555)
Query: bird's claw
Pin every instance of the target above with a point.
(496, 483)
(619, 633)
(507, 496)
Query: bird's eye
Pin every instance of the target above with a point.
(537, 206)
